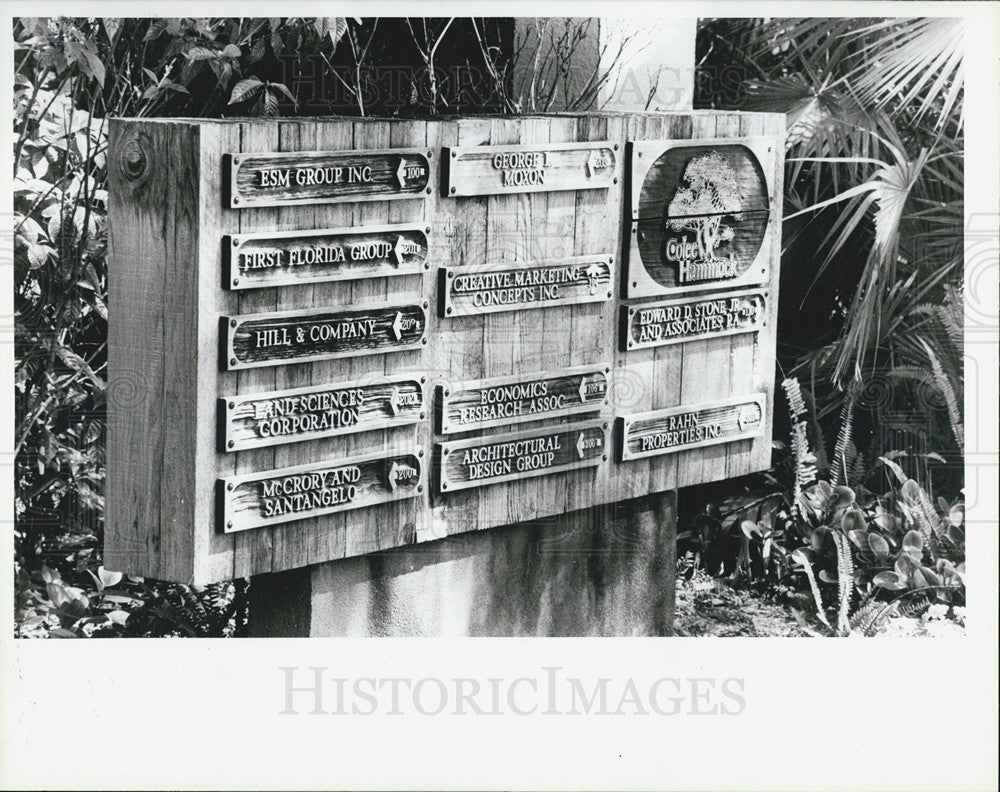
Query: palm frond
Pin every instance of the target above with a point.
(902, 61)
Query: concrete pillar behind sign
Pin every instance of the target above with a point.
(598, 572)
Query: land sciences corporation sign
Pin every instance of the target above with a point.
(699, 218)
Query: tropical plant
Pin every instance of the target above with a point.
(874, 183)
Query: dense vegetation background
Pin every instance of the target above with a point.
(861, 520)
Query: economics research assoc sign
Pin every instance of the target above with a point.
(700, 215)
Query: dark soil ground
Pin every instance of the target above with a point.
(711, 607)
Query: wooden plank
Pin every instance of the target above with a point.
(675, 321)
(668, 372)
(399, 525)
(268, 339)
(501, 401)
(298, 414)
(311, 541)
(311, 177)
(277, 496)
(508, 218)
(289, 258)
(214, 550)
(764, 355)
(154, 195)
(690, 426)
(493, 459)
(516, 287)
(529, 167)
(461, 227)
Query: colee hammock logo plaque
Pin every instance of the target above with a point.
(700, 216)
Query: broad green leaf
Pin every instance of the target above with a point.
(913, 542)
(109, 579)
(925, 578)
(844, 496)
(749, 528)
(853, 520)
(905, 565)
(889, 580)
(280, 87)
(878, 545)
(245, 89)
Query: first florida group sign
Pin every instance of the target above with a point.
(339, 336)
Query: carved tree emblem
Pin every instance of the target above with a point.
(712, 194)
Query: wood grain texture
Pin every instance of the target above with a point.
(529, 168)
(484, 461)
(288, 258)
(311, 177)
(670, 249)
(676, 321)
(690, 426)
(163, 515)
(277, 496)
(299, 414)
(154, 195)
(492, 288)
(288, 336)
(502, 401)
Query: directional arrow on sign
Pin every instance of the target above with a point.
(397, 326)
(398, 250)
(583, 390)
(393, 473)
(394, 401)
(596, 162)
(579, 445)
(749, 415)
(401, 173)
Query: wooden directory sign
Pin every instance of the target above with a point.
(511, 287)
(463, 464)
(673, 321)
(286, 258)
(298, 414)
(700, 213)
(690, 426)
(310, 177)
(276, 496)
(495, 170)
(270, 315)
(269, 339)
(503, 401)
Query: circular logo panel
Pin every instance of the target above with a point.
(703, 211)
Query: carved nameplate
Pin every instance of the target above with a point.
(310, 177)
(483, 404)
(496, 170)
(672, 321)
(289, 416)
(464, 464)
(257, 500)
(467, 291)
(254, 261)
(700, 215)
(692, 426)
(270, 339)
